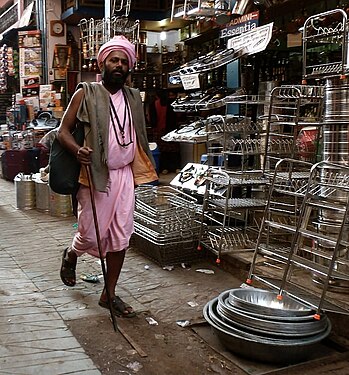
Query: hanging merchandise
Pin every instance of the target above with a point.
(3, 68)
(94, 33)
(8, 67)
(10, 62)
(30, 53)
(218, 10)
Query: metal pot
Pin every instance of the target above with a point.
(42, 194)
(60, 205)
(25, 192)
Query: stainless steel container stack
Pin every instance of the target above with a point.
(336, 121)
(335, 150)
(60, 205)
(25, 192)
(255, 324)
(42, 193)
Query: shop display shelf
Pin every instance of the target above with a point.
(231, 240)
(248, 99)
(323, 33)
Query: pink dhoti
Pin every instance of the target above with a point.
(114, 207)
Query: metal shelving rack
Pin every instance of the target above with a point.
(231, 135)
(292, 237)
(234, 194)
(242, 132)
(264, 131)
(229, 224)
(291, 109)
(325, 36)
(305, 223)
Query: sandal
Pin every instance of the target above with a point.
(67, 272)
(119, 308)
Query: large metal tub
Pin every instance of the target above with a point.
(263, 349)
(293, 327)
(265, 302)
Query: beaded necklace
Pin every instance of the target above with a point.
(113, 114)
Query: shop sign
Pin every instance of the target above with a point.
(190, 81)
(30, 57)
(239, 25)
(253, 41)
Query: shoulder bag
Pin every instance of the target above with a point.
(64, 168)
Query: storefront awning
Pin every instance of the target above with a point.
(26, 16)
(22, 24)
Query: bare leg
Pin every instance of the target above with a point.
(115, 262)
(72, 257)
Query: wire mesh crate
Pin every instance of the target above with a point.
(166, 225)
(172, 253)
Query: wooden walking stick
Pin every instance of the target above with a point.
(95, 219)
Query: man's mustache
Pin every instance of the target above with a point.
(118, 70)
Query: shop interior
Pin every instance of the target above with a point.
(246, 110)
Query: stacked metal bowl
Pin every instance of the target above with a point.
(253, 323)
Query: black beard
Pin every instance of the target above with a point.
(115, 81)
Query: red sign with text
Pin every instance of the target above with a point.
(239, 25)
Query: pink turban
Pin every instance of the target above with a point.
(118, 43)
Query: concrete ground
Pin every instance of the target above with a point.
(35, 306)
(37, 334)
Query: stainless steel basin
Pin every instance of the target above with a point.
(265, 302)
(256, 347)
(269, 327)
